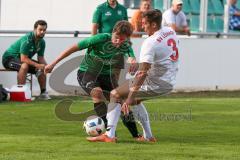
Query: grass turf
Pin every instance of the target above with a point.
(187, 127)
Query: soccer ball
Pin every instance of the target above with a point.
(94, 126)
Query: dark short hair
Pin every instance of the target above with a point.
(123, 28)
(40, 22)
(153, 16)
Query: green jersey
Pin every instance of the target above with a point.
(26, 45)
(106, 16)
(101, 55)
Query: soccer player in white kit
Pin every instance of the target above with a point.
(156, 76)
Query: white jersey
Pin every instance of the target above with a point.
(161, 51)
(169, 18)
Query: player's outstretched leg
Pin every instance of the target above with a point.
(114, 111)
(130, 123)
(141, 115)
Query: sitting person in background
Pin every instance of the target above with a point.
(136, 20)
(19, 56)
(234, 16)
(176, 19)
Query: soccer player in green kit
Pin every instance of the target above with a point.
(19, 55)
(95, 74)
(104, 19)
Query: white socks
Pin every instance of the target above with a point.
(113, 114)
(141, 115)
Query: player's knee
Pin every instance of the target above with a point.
(24, 67)
(135, 102)
(97, 93)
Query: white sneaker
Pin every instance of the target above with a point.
(44, 96)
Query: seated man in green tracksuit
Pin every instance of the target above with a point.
(19, 55)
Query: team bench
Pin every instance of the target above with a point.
(28, 78)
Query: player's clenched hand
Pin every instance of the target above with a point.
(48, 68)
(125, 108)
(133, 66)
(126, 105)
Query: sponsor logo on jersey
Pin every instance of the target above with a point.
(119, 12)
(108, 13)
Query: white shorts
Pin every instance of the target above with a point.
(147, 91)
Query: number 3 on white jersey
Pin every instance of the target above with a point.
(172, 43)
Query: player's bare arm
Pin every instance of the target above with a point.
(41, 60)
(133, 65)
(137, 83)
(24, 59)
(64, 54)
(95, 27)
(140, 76)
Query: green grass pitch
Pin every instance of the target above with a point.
(202, 126)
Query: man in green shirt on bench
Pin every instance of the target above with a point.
(19, 55)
